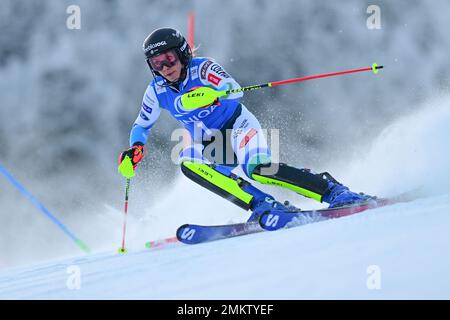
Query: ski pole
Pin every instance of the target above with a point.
(124, 229)
(205, 96)
(44, 210)
(127, 170)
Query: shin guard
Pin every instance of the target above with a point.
(302, 181)
(223, 182)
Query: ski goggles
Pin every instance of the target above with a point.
(168, 59)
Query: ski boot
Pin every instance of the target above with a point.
(321, 187)
(339, 195)
(270, 204)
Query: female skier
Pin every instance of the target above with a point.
(177, 72)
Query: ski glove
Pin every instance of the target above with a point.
(135, 153)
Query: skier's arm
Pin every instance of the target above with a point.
(148, 115)
(214, 75)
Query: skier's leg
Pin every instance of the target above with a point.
(251, 149)
(318, 186)
(220, 179)
(302, 181)
(248, 142)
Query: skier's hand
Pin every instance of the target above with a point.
(135, 153)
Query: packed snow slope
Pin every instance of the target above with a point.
(405, 246)
(395, 252)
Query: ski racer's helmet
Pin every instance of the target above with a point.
(165, 39)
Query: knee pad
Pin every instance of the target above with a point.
(255, 160)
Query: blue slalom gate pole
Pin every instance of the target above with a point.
(44, 210)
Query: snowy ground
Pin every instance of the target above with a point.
(396, 252)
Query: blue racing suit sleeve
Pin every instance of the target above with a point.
(138, 134)
(149, 113)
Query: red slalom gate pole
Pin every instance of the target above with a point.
(187, 139)
(191, 29)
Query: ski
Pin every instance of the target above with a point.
(194, 234)
(160, 243)
(276, 220)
